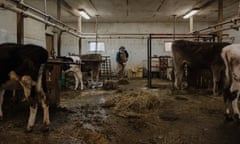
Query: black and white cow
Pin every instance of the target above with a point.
(74, 68)
(231, 57)
(22, 66)
(198, 55)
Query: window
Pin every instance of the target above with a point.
(93, 48)
(168, 46)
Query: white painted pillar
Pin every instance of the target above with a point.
(79, 24)
(191, 24)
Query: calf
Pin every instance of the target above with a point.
(92, 63)
(231, 57)
(22, 66)
(74, 68)
(198, 55)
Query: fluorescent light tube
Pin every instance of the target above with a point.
(191, 13)
(84, 14)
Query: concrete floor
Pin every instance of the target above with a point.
(85, 117)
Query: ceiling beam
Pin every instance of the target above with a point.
(69, 8)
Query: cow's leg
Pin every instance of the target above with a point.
(46, 120)
(40, 91)
(91, 72)
(1, 102)
(235, 106)
(97, 73)
(80, 78)
(178, 72)
(32, 116)
(216, 72)
(76, 80)
(228, 110)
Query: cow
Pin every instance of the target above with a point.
(74, 68)
(91, 64)
(231, 57)
(22, 67)
(198, 55)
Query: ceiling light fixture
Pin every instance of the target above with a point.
(84, 14)
(191, 13)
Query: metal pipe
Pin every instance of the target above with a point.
(219, 24)
(174, 26)
(45, 15)
(153, 36)
(96, 31)
(223, 29)
(37, 18)
(149, 62)
(48, 17)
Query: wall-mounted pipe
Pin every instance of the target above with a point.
(230, 21)
(64, 28)
(50, 18)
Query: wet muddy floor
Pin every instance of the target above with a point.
(130, 114)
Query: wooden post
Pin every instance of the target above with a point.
(59, 39)
(59, 42)
(59, 7)
(80, 46)
(80, 31)
(20, 28)
(220, 19)
(238, 7)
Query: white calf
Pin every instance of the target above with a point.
(77, 73)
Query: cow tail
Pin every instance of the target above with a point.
(39, 80)
(227, 69)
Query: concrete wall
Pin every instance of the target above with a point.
(137, 47)
(69, 44)
(8, 27)
(34, 32)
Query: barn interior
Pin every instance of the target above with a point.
(142, 107)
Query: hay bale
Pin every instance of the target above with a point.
(138, 102)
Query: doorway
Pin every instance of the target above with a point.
(50, 45)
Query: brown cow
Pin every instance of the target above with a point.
(197, 55)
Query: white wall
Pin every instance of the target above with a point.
(137, 47)
(8, 28)
(69, 44)
(34, 32)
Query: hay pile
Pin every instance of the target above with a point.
(123, 82)
(136, 102)
(110, 85)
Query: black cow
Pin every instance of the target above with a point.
(198, 55)
(23, 66)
